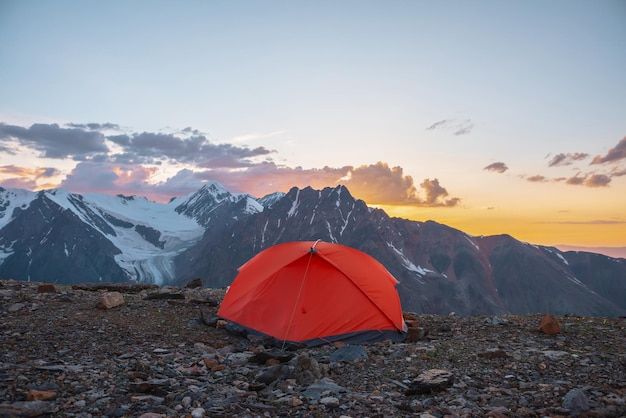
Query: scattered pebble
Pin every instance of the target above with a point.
(155, 357)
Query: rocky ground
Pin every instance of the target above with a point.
(160, 354)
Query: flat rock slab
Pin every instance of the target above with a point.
(116, 287)
(349, 353)
(165, 295)
(434, 380)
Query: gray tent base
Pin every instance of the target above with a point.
(359, 337)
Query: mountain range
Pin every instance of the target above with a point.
(57, 236)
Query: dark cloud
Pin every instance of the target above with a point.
(54, 141)
(589, 180)
(190, 130)
(614, 154)
(498, 167)
(95, 126)
(132, 163)
(122, 139)
(151, 148)
(83, 142)
(7, 149)
(464, 128)
(618, 173)
(537, 179)
(440, 124)
(456, 126)
(435, 194)
(566, 159)
(597, 180)
(575, 180)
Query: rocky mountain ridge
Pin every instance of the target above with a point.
(70, 238)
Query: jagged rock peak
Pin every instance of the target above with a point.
(269, 200)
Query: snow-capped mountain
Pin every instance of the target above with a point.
(58, 236)
(440, 269)
(52, 235)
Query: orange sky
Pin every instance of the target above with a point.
(454, 112)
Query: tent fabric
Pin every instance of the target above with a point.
(314, 292)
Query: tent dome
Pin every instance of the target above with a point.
(315, 292)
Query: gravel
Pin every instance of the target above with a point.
(161, 354)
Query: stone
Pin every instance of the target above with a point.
(262, 357)
(549, 325)
(576, 402)
(434, 380)
(16, 307)
(323, 387)
(194, 284)
(415, 334)
(496, 320)
(271, 374)
(40, 395)
(329, 401)
(165, 294)
(115, 287)
(306, 369)
(27, 409)
(349, 353)
(494, 353)
(198, 413)
(149, 386)
(46, 288)
(148, 358)
(110, 300)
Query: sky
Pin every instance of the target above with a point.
(492, 117)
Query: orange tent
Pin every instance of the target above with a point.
(314, 293)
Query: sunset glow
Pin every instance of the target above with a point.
(456, 112)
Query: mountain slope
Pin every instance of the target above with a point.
(109, 238)
(46, 240)
(54, 235)
(440, 269)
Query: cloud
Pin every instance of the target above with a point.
(152, 148)
(435, 194)
(618, 173)
(83, 142)
(96, 126)
(440, 124)
(589, 180)
(566, 159)
(54, 141)
(380, 184)
(26, 178)
(42, 172)
(456, 126)
(614, 154)
(377, 184)
(537, 179)
(107, 177)
(464, 128)
(498, 167)
(19, 183)
(130, 163)
(592, 222)
(597, 180)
